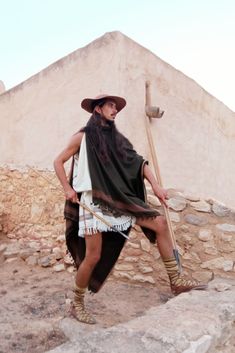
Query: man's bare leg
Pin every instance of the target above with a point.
(92, 256)
(165, 246)
(159, 225)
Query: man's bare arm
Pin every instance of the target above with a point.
(157, 189)
(68, 152)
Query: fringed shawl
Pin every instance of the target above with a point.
(117, 185)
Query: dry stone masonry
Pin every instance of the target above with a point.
(32, 228)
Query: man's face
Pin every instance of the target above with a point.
(108, 110)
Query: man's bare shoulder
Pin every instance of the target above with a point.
(71, 149)
(76, 139)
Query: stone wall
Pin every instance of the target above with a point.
(32, 227)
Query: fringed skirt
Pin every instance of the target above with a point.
(89, 224)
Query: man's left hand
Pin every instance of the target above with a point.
(161, 195)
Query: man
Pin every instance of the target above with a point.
(107, 176)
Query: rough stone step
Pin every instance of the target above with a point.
(198, 321)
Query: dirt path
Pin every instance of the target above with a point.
(35, 299)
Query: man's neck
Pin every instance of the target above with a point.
(106, 123)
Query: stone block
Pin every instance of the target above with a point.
(177, 203)
(124, 267)
(145, 269)
(59, 268)
(12, 250)
(174, 217)
(220, 210)
(226, 237)
(154, 201)
(144, 279)
(225, 227)
(131, 259)
(11, 259)
(61, 238)
(25, 253)
(202, 276)
(68, 260)
(133, 245)
(71, 269)
(133, 252)
(191, 197)
(32, 260)
(195, 219)
(155, 253)
(35, 245)
(120, 274)
(218, 263)
(205, 235)
(36, 212)
(210, 249)
(201, 206)
(47, 261)
(145, 245)
(58, 253)
(3, 247)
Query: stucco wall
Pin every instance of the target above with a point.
(2, 87)
(195, 140)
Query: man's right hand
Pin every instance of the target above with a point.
(71, 195)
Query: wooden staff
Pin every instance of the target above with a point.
(155, 112)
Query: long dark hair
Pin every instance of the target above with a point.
(94, 128)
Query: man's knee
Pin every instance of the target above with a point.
(161, 223)
(92, 258)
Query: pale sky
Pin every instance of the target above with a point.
(197, 37)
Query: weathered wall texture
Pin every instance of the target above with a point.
(31, 219)
(195, 139)
(2, 87)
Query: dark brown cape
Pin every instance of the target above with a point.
(117, 184)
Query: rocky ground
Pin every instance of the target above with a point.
(194, 322)
(35, 315)
(34, 300)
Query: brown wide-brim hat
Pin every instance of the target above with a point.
(89, 103)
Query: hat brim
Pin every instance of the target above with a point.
(88, 104)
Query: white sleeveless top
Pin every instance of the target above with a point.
(81, 174)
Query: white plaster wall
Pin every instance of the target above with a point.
(2, 87)
(195, 139)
